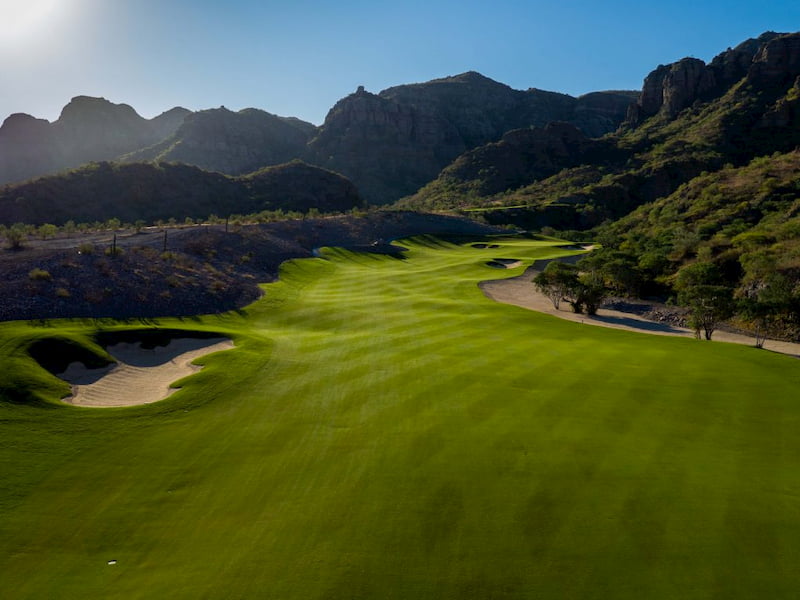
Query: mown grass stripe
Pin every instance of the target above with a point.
(384, 430)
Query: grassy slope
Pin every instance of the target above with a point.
(383, 430)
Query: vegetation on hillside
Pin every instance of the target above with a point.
(160, 191)
(737, 227)
(704, 173)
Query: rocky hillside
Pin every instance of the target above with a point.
(160, 191)
(88, 129)
(521, 156)
(231, 142)
(389, 144)
(392, 143)
(482, 109)
(691, 118)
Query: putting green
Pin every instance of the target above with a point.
(382, 430)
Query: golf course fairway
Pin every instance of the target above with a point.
(383, 430)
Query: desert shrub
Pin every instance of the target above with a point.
(16, 236)
(39, 275)
(86, 248)
(62, 293)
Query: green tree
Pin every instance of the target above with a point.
(590, 291)
(763, 301)
(557, 281)
(617, 269)
(709, 305)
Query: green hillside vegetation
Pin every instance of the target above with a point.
(384, 430)
(740, 225)
(755, 117)
(159, 191)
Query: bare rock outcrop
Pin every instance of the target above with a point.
(777, 63)
(671, 88)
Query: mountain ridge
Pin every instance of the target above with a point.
(389, 143)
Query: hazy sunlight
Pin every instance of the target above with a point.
(23, 18)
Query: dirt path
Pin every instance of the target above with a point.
(519, 291)
(140, 376)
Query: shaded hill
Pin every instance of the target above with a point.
(521, 156)
(89, 129)
(691, 118)
(231, 142)
(149, 192)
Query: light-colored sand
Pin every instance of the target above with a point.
(504, 263)
(140, 376)
(520, 291)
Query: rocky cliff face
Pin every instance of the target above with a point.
(392, 143)
(482, 110)
(88, 129)
(599, 113)
(671, 88)
(384, 146)
(231, 142)
(777, 62)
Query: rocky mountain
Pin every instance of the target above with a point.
(389, 144)
(394, 142)
(671, 88)
(482, 109)
(231, 142)
(691, 118)
(521, 156)
(88, 129)
(160, 191)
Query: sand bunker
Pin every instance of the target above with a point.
(141, 376)
(504, 263)
(520, 291)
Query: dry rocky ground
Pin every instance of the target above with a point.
(185, 271)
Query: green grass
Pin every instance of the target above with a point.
(384, 431)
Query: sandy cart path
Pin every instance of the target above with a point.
(520, 291)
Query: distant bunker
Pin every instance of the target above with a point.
(504, 263)
(146, 363)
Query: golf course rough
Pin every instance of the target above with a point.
(383, 430)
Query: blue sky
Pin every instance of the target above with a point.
(297, 58)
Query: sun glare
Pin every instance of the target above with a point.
(21, 19)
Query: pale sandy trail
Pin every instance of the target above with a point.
(140, 376)
(520, 291)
